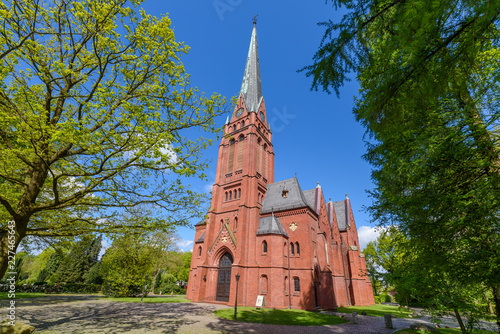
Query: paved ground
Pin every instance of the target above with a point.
(86, 314)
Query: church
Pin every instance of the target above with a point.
(281, 242)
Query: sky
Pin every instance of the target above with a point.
(315, 135)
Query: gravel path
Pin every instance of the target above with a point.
(90, 314)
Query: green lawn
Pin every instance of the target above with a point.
(280, 317)
(441, 330)
(377, 310)
(150, 300)
(5, 295)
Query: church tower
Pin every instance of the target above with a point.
(224, 240)
(284, 244)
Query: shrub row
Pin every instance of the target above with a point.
(54, 288)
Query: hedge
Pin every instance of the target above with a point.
(54, 288)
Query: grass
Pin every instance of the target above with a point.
(279, 317)
(150, 300)
(441, 330)
(5, 295)
(377, 310)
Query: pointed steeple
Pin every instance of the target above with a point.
(251, 87)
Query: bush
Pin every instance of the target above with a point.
(388, 299)
(166, 288)
(115, 290)
(377, 299)
(42, 287)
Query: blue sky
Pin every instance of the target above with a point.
(315, 135)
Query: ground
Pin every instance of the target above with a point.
(91, 314)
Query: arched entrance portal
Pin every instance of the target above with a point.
(224, 278)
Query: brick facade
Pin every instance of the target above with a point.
(286, 244)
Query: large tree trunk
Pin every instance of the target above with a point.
(7, 250)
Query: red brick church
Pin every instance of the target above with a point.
(285, 243)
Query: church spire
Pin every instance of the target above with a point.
(251, 87)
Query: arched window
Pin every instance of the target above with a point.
(230, 195)
(240, 138)
(286, 283)
(264, 246)
(235, 224)
(235, 193)
(226, 195)
(296, 283)
(199, 251)
(263, 284)
(234, 127)
(239, 193)
(242, 123)
(291, 248)
(258, 140)
(258, 198)
(265, 147)
(297, 248)
(232, 141)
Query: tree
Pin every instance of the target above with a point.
(124, 266)
(95, 109)
(161, 244)
(82, 257)
(53, 263)
(429, 101)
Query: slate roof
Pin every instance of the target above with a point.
(202, 238)
(270, 225)
(342, 216)
(202, 222)
(274, 200)
(310, 196)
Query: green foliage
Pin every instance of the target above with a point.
(279, 317)
(167, 288)
(95, 113)
(377, 299)
(78, 262)
(55, 288)
(94, 275)
(51, 266)
(124, 266)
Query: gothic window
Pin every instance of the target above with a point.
(242, 123)
(297, 248)
(264, 246)
(234, 127)
(286, 283)
(258, 140)
(296, 283)
(291, 248)
(239, 193)
(199, 251)
(241, 138)
(230, 195)
(265, 147)
(263, 284)
(235, 224)
(232, 141)
(226, 195)
(235, 193)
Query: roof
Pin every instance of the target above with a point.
(202, 238)
(251, 87)
(270, 225)
(202, 222)
(310, 196)
(342, 217)
(274, 200)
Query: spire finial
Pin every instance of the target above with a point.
(346, 196)
(255, 19)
